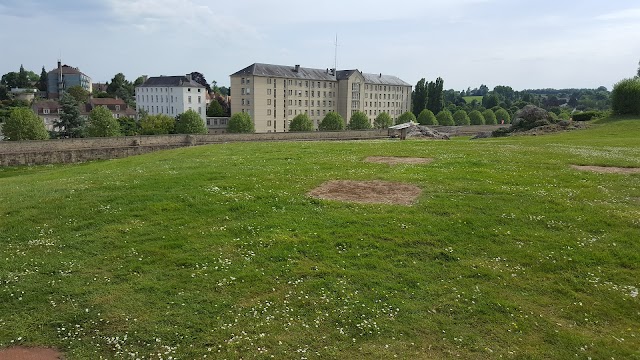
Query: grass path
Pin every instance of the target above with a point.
(216, 251)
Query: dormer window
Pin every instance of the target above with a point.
(45, 111)
(117, 107)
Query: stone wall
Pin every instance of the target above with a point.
(85, 149)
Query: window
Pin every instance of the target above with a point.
(208, 122)
(248, 91)
(311, 112)
(268, 91)
(199, 99)
(242, 91)
(45, 111)
(189, 99)
(242, 101)
(268, 101)
(268, 111)
(117, 107)
(311, 102)
(248, 80)
(269, 81)
(188, 89)
(268, 122)
(242, 81)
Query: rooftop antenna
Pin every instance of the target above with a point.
(335, 57)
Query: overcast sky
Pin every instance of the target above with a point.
(520, 43)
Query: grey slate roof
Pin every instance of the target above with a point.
(172, 81)
(285, 71)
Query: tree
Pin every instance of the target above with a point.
(625, 97)
(101, 123)
(490, 100)
(505, 93)
(122, 88)
(158, 124)
(10, 80)
(331, 122)
(460, 118)
(444, 117)
(23, 79)
(301, 123)
(489, 117)
(476, 118)
(435, 100)
(638, 73)
(359, 121)
(426, 117)
(43, 83)
(382, 121)
(419, 97)
(79, 93)
(405, 118)
(199, 78)
(189, 122)
(215, 109)
(128, 126)
(240, 123)
(24, 124)
(530, 117)
(70, 124)
(502, 116)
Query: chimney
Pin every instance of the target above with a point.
(189, 77)
(297, 68)
(380, 74)
(144, 78)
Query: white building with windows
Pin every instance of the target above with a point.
(171, 95)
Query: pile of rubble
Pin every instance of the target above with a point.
(420, 131)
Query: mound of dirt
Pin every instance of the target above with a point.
(367, 192)
(394, 160)
(25, 353)
(419, 131)
(607, 169)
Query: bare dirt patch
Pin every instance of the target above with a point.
(367, 192)
(607, 169)
(25, 353)
(394, 160)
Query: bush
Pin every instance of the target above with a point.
(460, 118)
(587, 115)
(24, 124)
(331, 122)
(240, 123)
(382, 121)
(159, 124)
(190, 122)
(502, 116)
(301, 123)
(625, 97)
(476, 118)
(489, 117)
(406, 117)
(102, 123)
(444, 117)
(529, 117)
(128, 126)
(426, 117)
(359, 121)
(501, 132)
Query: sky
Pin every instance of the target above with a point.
(520, 43)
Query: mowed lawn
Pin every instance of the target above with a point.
(217, 252)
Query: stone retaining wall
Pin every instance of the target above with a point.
(85, 149)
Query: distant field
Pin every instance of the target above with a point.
(217, 251)
(469, 99)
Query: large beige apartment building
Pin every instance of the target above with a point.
(274, 94)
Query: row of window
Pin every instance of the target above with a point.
(159, 89)
(165, 110)
(384, 96)
(161, 99)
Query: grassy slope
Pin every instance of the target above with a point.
(217, 251)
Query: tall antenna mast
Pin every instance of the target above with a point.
(335, 58)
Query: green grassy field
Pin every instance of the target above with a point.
(216, 252)
(469, 99)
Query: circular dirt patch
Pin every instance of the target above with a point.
(393, 160)
(607, 169)
(367, 192)
(24, 353)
